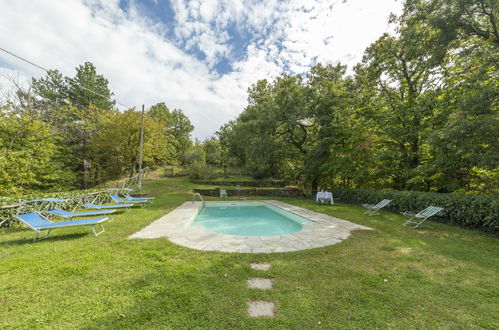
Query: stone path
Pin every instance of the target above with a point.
(260, 308)
(263, 266)
(260, 283)
(322, 230)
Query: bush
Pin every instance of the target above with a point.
(173, 172)
(473, 211)
(198, 171)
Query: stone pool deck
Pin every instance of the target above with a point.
(323, 230)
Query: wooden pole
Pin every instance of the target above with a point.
(139, 183)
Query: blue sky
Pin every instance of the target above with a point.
(196, 55)
(236, 36)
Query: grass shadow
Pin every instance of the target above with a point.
(55, 238)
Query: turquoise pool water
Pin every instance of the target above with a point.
(248, 219)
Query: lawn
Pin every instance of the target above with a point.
(392, 277)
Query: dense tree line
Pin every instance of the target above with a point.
(64, 132)
(419, 112)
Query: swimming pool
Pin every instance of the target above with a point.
(248, 219)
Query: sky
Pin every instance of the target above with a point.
(199, 56)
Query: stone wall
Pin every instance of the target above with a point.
(243, 183)
(283, 192)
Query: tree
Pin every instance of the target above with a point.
(328, 108)
(73, 106)
(462, 37)
(89, 88)
(276, 124)
(407, 86)
(115, 145)
(175, 124)
(212, 150)
(30, 159)
(446, 23)
(233, 152)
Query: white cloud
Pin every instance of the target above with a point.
(142, 66)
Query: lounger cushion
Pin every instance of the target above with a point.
(34, 219)
(71, 223)
(111, 206)
(66, 214)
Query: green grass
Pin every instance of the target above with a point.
(391, 277)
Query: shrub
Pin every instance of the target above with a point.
(194, 156)
(473, 211)
(198, 171)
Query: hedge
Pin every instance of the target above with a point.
(473, 211)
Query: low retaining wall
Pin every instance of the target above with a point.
(243, 183)
(178, 175)
(283, 192)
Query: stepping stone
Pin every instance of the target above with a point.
(260, 308)
(260, 266)
(260, 283)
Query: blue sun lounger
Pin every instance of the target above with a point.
(119, 190)
(117, 199)
(131, 198)
(107, 207)
(67, 215)
(37, 222)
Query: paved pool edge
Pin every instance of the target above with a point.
(323, 230)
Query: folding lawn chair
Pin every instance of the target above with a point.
(418, 218)
(374, 209)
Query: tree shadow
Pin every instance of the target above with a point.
(55, 238)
